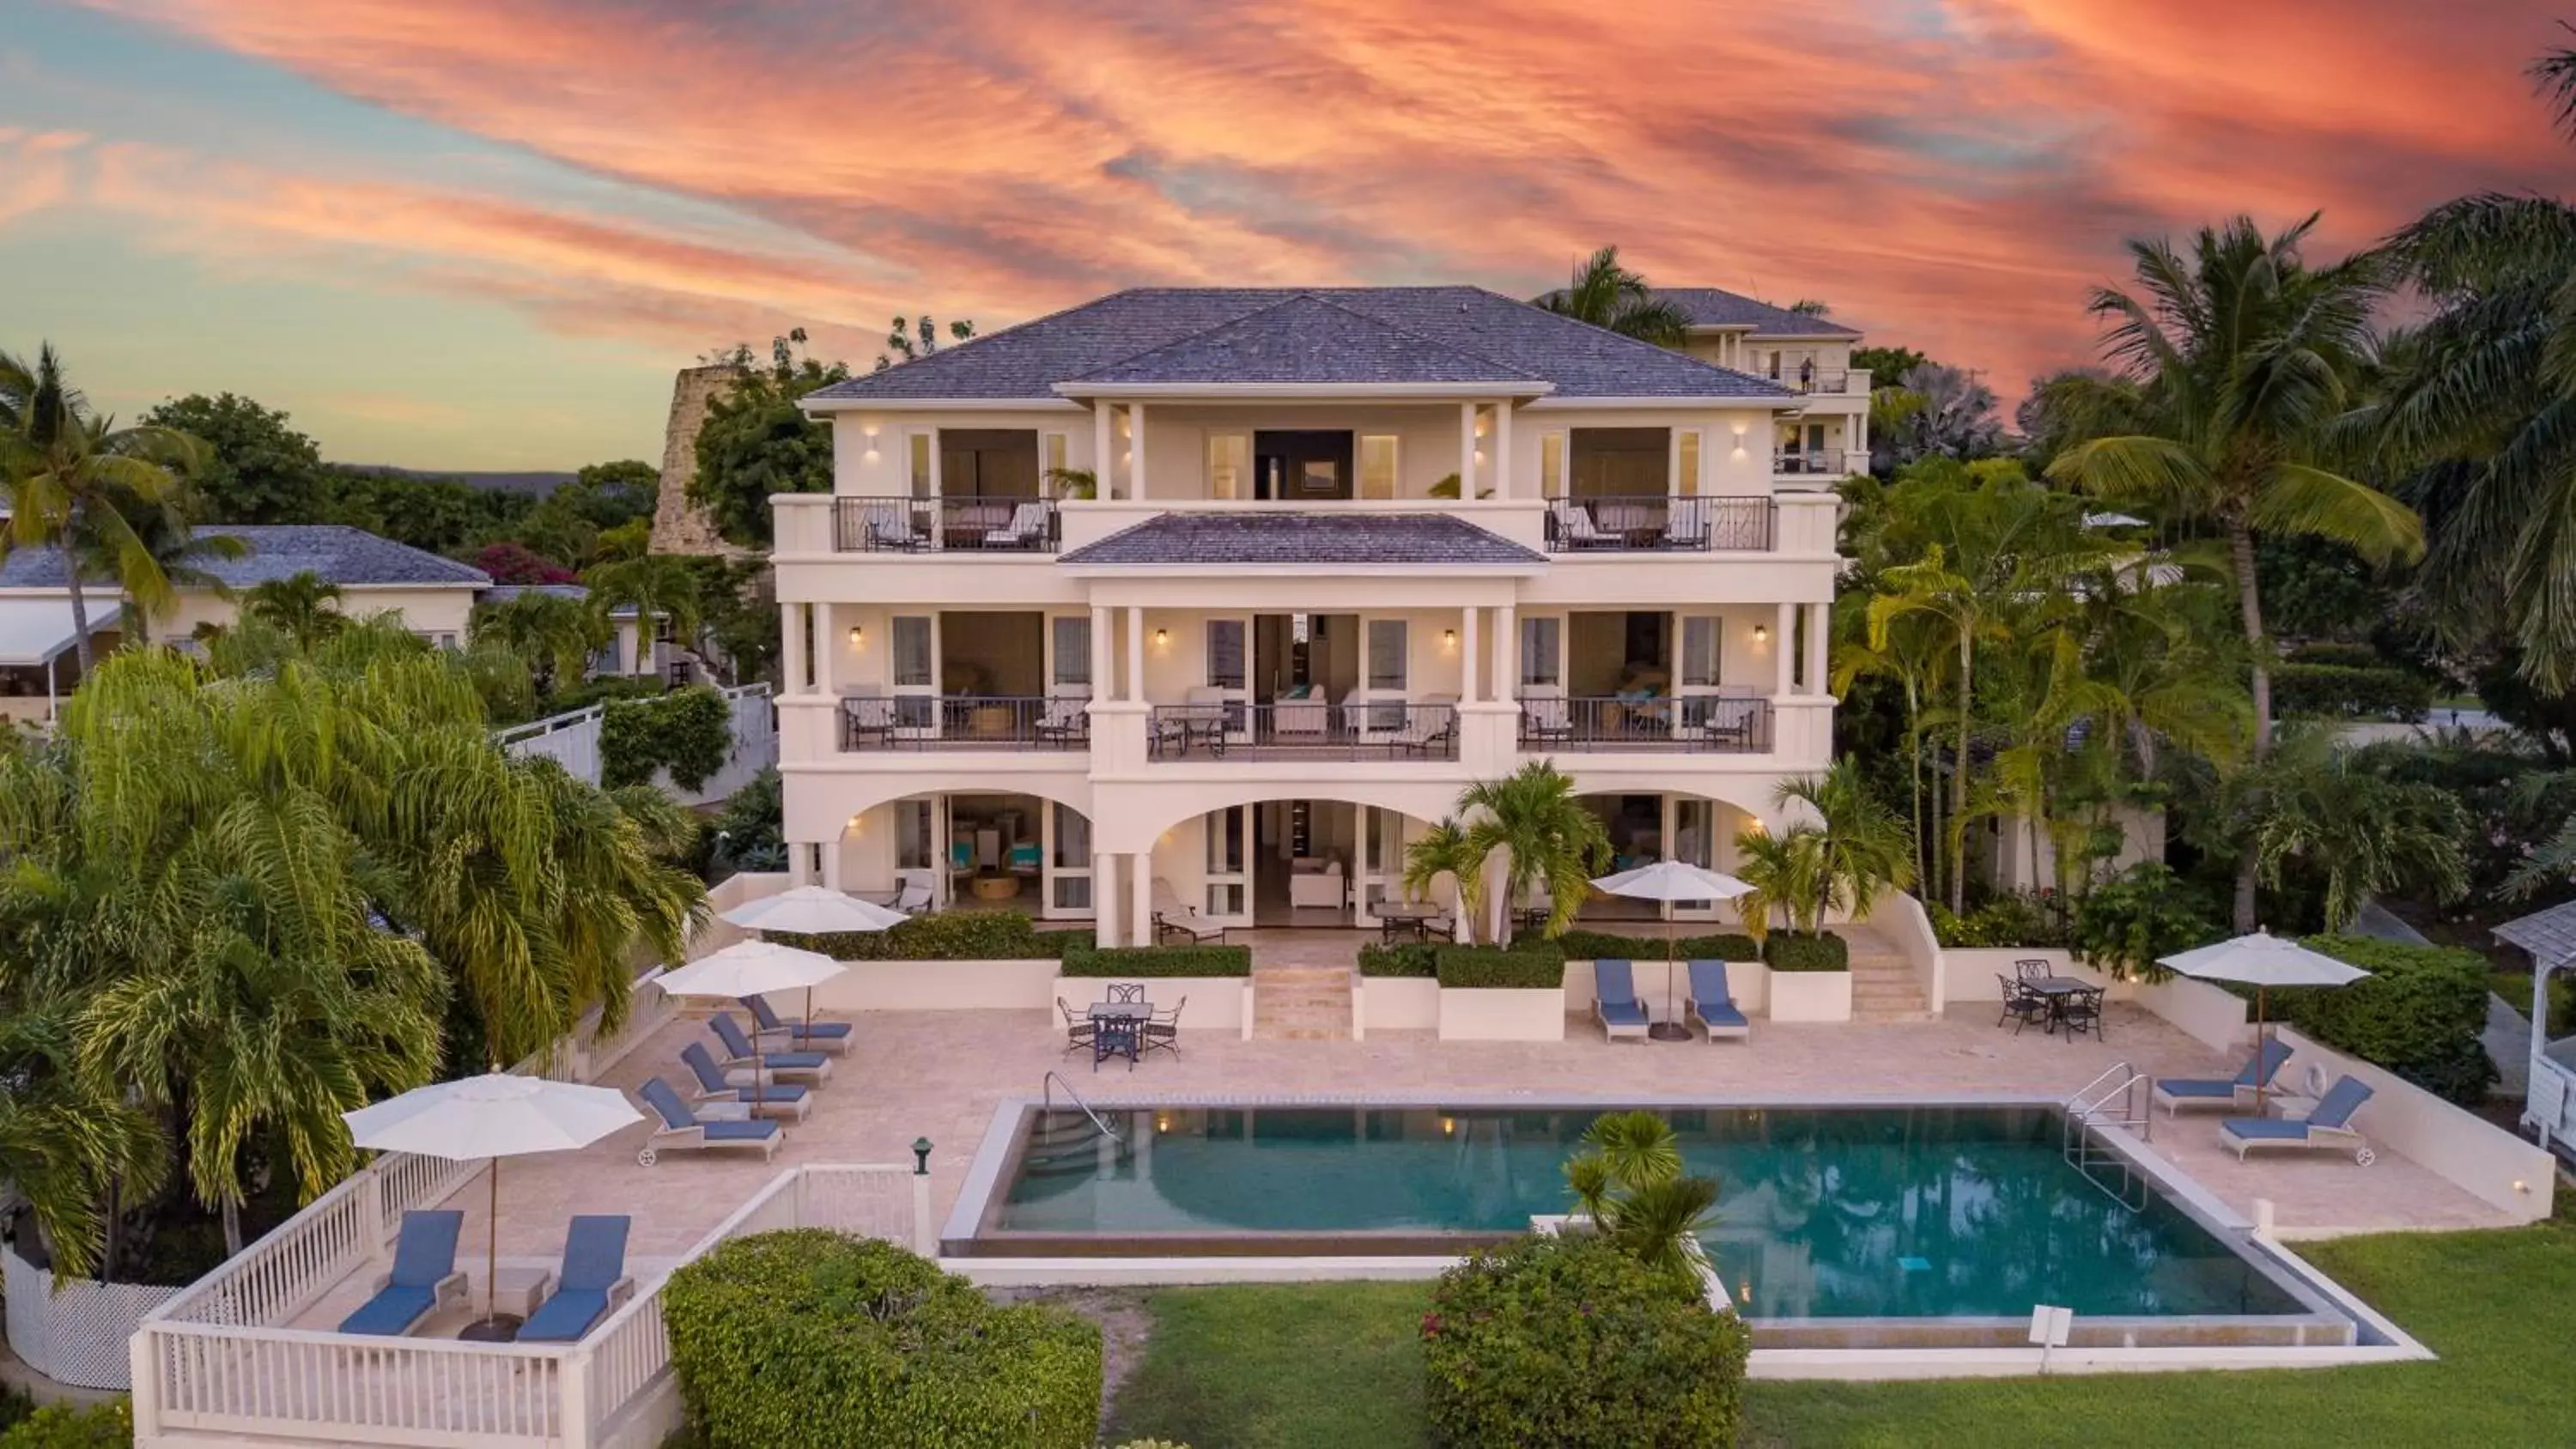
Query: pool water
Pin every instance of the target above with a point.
(1928, 1212)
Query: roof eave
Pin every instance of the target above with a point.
(1306, 568)
(1526, 388)
(1784, 398)
(817, 406)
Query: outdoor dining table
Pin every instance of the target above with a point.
(1188, 725)
(1118, 1029)
(1397, 919)
(2057, 989)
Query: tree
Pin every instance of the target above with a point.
(1542, 835)
(1790, 877)
(516, 563)
(1930, 410)
(1608, 295)
(758, 441)
(258, 469)
(555, 635)
(1444, 849)
(178, 550)
(658, 587)
(1628, 1180)
(2233, 366)
(437, 515)
(1866, 851)
(68, 1143)
(73, 480)
(910, 338)
(303, 607)
(2358, 832)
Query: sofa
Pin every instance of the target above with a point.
(1301, 709)
(1316, 884)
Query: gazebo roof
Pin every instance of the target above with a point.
(2550, 935)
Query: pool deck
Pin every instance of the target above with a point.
(941, 1075)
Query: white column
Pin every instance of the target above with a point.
(826, 646)
(1104, 899)
(1784, 639)
(1140, 900)
(938, 511)
(1467, 686)
(1502, 450)
(1135, 654)
(1136, 442)
(1104, 463)
(1466, 452)
(791, 649)
(800, 863)
(1818, 633)
(1102, 685)
(832, 864)
(1507, 663)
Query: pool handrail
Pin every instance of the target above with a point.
(1046, 1091)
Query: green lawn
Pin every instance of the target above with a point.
(1336, 1365)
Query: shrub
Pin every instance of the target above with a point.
(2335, 652)
(2127, 923)
(948, 936)
(1160, 961)
(1595, 945)
(1411, 958)
(806, 1337)
(1788, 951)
(2419, 1013)
(2340, 691)
(108, 1425)
(688, 732)
(1529, 965)
(2023, 918)
(1569, 1341)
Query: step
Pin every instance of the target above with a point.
(1301, 1003)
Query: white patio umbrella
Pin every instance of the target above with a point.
(813, 911)
(487, 1118)
(2262, 961)
(750, 968)
(1668, 881)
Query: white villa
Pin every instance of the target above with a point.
(1325, 556)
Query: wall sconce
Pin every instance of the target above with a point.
(1740, 429)
(1480, 425)
(1448, 638)
(859, 636)
(1162, 637)
(1761, 633)
(1754, 824)
(1448, 1126)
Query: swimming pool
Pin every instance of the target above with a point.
(1958, 1211)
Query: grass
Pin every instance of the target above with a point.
(1333, 1364)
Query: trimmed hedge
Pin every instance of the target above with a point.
(106, 1425)
(1411, 958)
(948, 936)
(2419, 1013)
(2024, 918)
(2340, 691)
(1570, 1341)
(1788, 951)
(1527, 966)
(688, 732)
(1595, 945)
(1160, 961)
(805, 1337)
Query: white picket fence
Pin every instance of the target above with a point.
(572, 740)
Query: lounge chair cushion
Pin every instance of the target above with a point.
(666, 1104)
(2197, 1087)
(1720, 1013)
(746, 1131)
(566, 1316)
(2269, 1129)
(595, 1250)
(391, 1311)
(711, 1080)
(770, 1020)
(791, 1061)
(1712, 995)
(2341, 1100)
(1623, 1013)
(425, 1252)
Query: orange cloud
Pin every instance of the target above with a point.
(1950, 175)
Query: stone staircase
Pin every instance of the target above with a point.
(1301, 1003)
(1884, 987)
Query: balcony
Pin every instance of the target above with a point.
(946, 525)
(1684, 724)
(1812, 462)
(1317, 730)
(1655, 523)
(874, 723)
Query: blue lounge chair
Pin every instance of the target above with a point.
(2179, 1094)
(774, 1100)
(1713, 1003)
(682, 1130)
(812, 1066)
(799, 1033)
(593, 1281)
(1614, 1001)
(424, 1277)
(2330, 1125)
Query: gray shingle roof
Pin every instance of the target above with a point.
(1305, 538)
(2550, 935)
(1442, 323)
(1305, 339)
(351, 557)
(1710, 307)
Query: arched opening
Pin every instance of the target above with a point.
(1311, 862)
(1646, 826)
(991, 848)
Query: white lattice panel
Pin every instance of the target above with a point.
(76, 1336)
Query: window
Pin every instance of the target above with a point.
(1540, 654)
(1229, 455)
(1072, 839)
(1225, 840)
(912, 651)
(923, 446)
(1377, 465)
(1386, 654)
(988, 463)
(1072, 651)
(1688, 465)
(912, 834)
(1551, 465)
(1699, 649)
(1052, 454)
(1225, 653)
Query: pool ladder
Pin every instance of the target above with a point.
(1046, 1104)
(2122, 1096)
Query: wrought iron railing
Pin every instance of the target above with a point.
(1719, 724)
(1825, 462)
(965, 722)
(948, 525)
(1303, 730)
(1656, 523)
(1814, 379)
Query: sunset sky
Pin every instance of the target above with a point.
(482, 233)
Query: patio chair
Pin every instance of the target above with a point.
(593, 1280)
(812, 1066)
(1544, 716)
(1163, 1029)
(805, 1034)
(1171, 915)
(912, 897)
(1686, 524)
(1126, 993)
(1712, 1002)
(423, 1277)
(683, 1130)
(2330, 1125)
(1064, 719)
(1027, 529)
(2038, 970)
(1580, 532)
(773, 1100)
(2022, 1006)
(1614, 1002)
(895, 530)
(1427, 725)
(2081, 1012)
(2179, 1094)
(1079, 1032)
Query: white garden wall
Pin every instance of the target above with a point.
(1394, 1003)
(2400, 1117)
(1811, 996)
(1495, 1013)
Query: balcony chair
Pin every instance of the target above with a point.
(867, 713)
(1614, 1002)
(714, 1085)
(1579, 530)
(592, 1283)
(1428, 724)
(1027, 529)
(739, 1051)
(1712, 1003)
(1079, 1030)
(423, 1278)
(1064, 719)
(683, 1130)
(1686, 524)
(1171, 915)
(894, 529)
(1544, 715)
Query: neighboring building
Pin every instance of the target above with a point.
(1283, 636)
(1807, 355)
(374, 575)
(631, 649)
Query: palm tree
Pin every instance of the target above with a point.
(1865, 850)
(71, 477)
(67, 1146)
(1628, 1180)
(179, 549)
(303, 608)
(1789, 876)
(659, 587)
(1545, 837)
(1608, 295)
(2363, 833)
(1445, 849)
(556, 634)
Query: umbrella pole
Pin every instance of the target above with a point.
(492, 1242)
(2261, 1016)
(1670, 1028)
